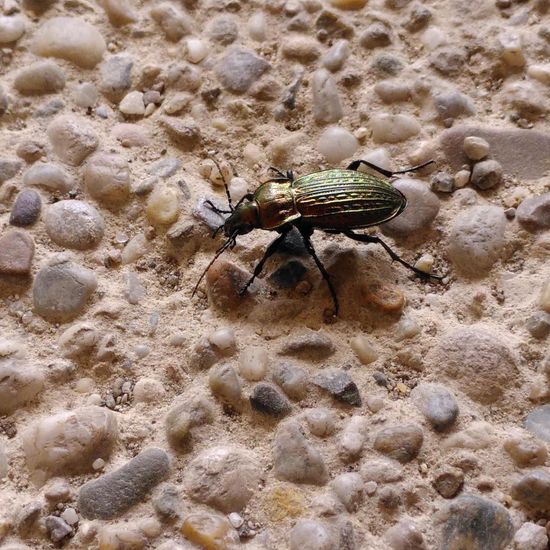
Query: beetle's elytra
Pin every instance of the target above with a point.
(333, 201)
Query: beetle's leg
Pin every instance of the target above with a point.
(388, 173)
(290, 175)
(214, 208)
(271, 249)
(278, 172)
(391, 253)
(247, 197)
(324, 272)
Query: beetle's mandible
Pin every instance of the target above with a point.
(335, 201)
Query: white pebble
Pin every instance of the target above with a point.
(511, 49)
(11, 28)
(350, 489)
(375, 403)
(363, 349)
(224, 340)
(388, 128)
(406, 328)
(70, 38)
(135, 249)
(238, 188)
(98, 464)
(196, 50)
(84, 385)
(70, 515)
(476, 148)
(462, 178)
(132, 104)
(235, 519)
(321, 422)
(433, 37)
(531, 536)
(257, 28)
(540, 72)
(253, 363)
(148, 390)
(85, 95)
(425, 263)
(336, 144)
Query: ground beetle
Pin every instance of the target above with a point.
(334, 201)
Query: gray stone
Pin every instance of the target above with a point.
(19, 384)
(49, 108)
(376, 35)
(167, 502)
(326, 102)
(442, 182)
(448, 60)
(223, 29)
(268, 400)
(225, 478)
(534, 212)
(165, 168)
(43, 77)
(422, 208)
(479, 362)
(452, 105)
(486, 174)
(448, 481)
(116, 76)
(292, 379)
(309, 343)
(349, 487)
(57, 528)
(476, 240)
(475, 523)
(61, 290)
(524, 153)
(186, 133)
(533, 490)
(8, 169)
(107, 178)
(72, 138)
(340, 385)
(26, 208)
(295, 458)
(336, 56)
(48, 175)
(74, 224)
(538, 325)
(401, 442)
(175, 24)
(538, 422)
(419, 17)
(531, 536)
(239, 69)
(114, 493)
(437, 404)
(405, 535)
(309, 534)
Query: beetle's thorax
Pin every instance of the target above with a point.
(276, 205)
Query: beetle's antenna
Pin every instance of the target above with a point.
(230, 241)
(225, 184)
(415, 168)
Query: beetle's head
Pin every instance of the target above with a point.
(243, 220)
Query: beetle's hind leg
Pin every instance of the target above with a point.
(393, 255)
(324, 272)
(388, 173)
(271, 249)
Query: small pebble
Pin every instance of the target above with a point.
(132, 104)
(462, 178)
(257, 27)
(26, 208)
(295, 459)
(538, 325)
(225, 478)
(85, 95)
(389, 128)
(511, 48)
(292, 379)
(353, 439)
(30, 150)
(253, 363)
(533, 490)
(175, 23)
(57, 528)
(196, 50)
(8, 169)
(486, 174)
(114, 493)
(223, 29)
(448, 482)
(301, 48)
(310, 534)
(442, 182)
(476, 148)
(43, 77)
(326, 102)
(349, 488)
(363, 349)
(61, 290)
(531, 536)
(69, 38)
(74, 224)
(392, 90)
(116, 76)
(225, 384)
(239, 69)
(209, 530)
(119, 12)
(405, 535)
(184, 133)
(340, 385)
(401, 442)
(321, 422)
(48, 175)
(419, 18)
(268, 400)
(376, 35)
(309, 344)
(336, 144)
(336, 56)
(20, 384)
(224, 282)
(448, 60)
(72, 138)
(526, 451)
(452, 105)
(12, 28)
(16, 253)
(534, 212)
(437, 404)
(107, 178)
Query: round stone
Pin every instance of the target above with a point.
(74, 224)
(486, 174)
(336, 144)
(476, 148)
(107, 178)
(401, 442)
(26, 208)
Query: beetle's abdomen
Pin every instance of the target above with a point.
(346, 199)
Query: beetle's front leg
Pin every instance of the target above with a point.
(271, 249)
(393, 255)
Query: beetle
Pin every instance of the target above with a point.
(336, 201)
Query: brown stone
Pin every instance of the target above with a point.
(16, 253)
(384, 297)
(401, 442)
(224, 282)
